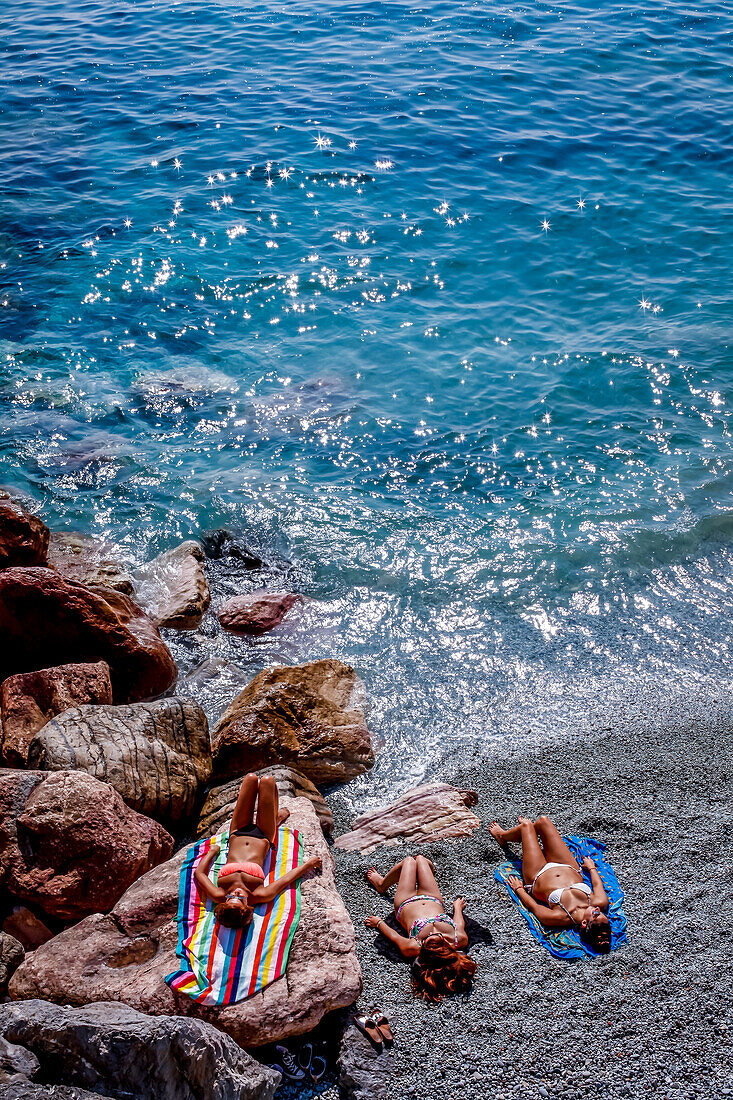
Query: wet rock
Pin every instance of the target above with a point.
(76, 846)
(220, 801)
(112, 1048)
(16, 1062)
(257, 612)
(46, 621)
(172, 588)
(11, 956)
(157, 755)
(364, 1073)
(88, 561)
(213, 684)
(125, 955)
(31, 699)
(27, 928)
(308, 716)
(23, 537)
(434, 812)
(23, 1089)
(222, 544)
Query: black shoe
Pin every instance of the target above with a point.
(291, 1069)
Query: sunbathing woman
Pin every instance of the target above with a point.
(433, 938)
(553, 887)
(240, 884)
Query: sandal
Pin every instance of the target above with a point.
(317, 1068)
(383, 1026)
(367, 1027)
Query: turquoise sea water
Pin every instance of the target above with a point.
(282, 267)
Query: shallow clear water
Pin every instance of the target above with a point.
(282, 268)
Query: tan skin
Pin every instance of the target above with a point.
(416, 876)
(239, 888)
(583, 910)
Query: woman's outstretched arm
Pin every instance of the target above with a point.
(261, 895)
(544, 914)
(204, 885)
(599, 896)
(461, 937)
(410, 948)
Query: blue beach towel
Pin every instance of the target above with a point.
(567, 944)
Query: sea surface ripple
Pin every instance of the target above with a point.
(431, 301)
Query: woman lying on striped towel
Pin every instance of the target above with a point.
(240, 883)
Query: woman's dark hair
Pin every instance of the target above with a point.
(440, 970)
(597, 936)
(233, 915)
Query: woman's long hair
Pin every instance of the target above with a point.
(233, 915)
(441, 970)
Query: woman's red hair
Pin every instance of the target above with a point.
(440, 970)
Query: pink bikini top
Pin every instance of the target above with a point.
(244, 868)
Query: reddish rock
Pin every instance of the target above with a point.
(434, 812)
(46, 620)
(27, 929)
(125, 955)
(30, 699)
(256, 613)
(75, 846)
(23, 537)
(307, 716)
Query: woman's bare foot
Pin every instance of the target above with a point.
(497, 832)
(283, 815)
(375, 879)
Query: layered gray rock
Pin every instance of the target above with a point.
(113, 1049)
(172, 588)
(124, 956)
(11, 956)
(157, 755)
(89, 561)
(30, 699)
(364, 1073)
(16, 1063)
(220, 801)
(307, 716)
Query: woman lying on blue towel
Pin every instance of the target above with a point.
(553, 887)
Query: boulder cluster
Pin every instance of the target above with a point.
(107, 774)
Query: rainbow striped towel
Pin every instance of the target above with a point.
(220, 966)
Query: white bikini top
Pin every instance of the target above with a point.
(555, 897)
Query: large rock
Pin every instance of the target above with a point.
(75, 846)
(434, 812)
(111, 1048)
(30, 699)
(23, 1089)
(157, 755)
(218, 807)
(257, 612)
(88, 561)
(309, 716)
(222, 544)
(11, 956)
(23, 537)
(365, 1073)
(46, 620)
(172, 588)
(26, 927)
(16, 1063)
(125, 955)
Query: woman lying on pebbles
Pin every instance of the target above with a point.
(240, 883)
(553, 887)
(433, 938)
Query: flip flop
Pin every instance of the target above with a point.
(368, 1028)
(317, 1068)
(383, 1026)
